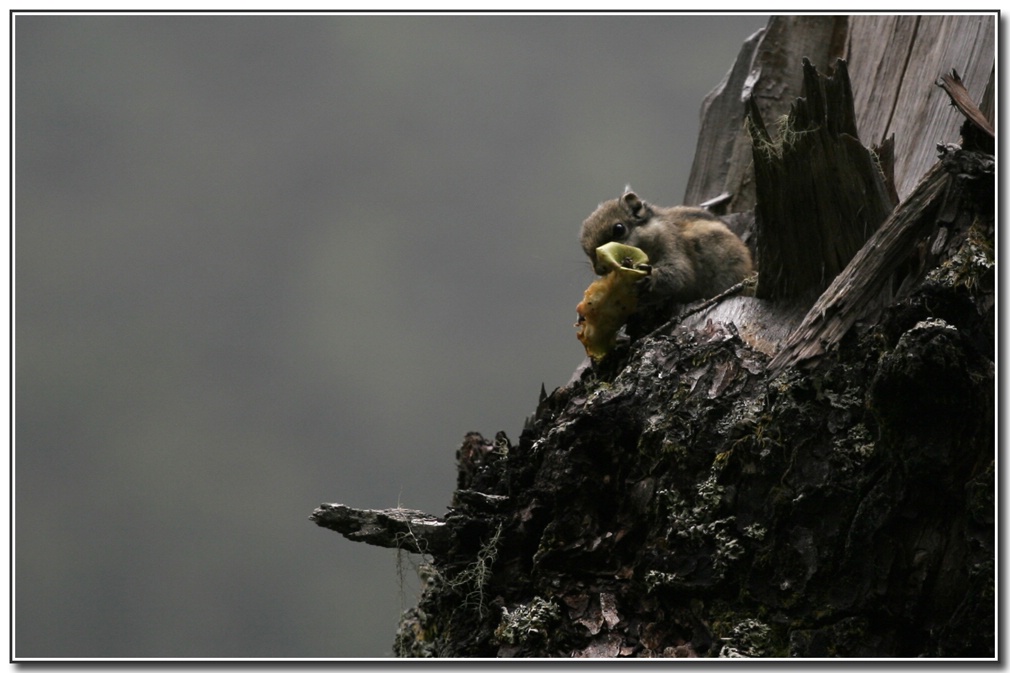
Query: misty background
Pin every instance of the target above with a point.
(266, 262)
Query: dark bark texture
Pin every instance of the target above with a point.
(805, 473)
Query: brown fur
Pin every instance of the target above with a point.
(693, 254)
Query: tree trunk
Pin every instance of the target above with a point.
(804, 473)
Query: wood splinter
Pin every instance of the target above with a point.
(961, 99)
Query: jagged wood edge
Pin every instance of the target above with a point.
(960, 98)
(857, 290)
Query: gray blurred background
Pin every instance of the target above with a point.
(265, 262)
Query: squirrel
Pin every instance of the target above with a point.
(693, 254)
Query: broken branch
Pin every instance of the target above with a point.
(397, 528)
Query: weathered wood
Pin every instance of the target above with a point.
(954, 86)
(877, 54)
(892, 110)
(821, 194)
(885, 159)
(722, 159)
(762, 325)
(988, 103)
(905, 240)
(859, 289)
(407, 529)
(893, 62)
(890, 58)
(714, 155)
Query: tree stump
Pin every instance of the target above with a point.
(767, 476)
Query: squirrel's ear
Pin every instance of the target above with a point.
(632, 202)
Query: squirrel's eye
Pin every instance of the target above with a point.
(619, 230)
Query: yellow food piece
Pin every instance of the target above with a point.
(610, 300)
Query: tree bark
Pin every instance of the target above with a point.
(786, 475)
